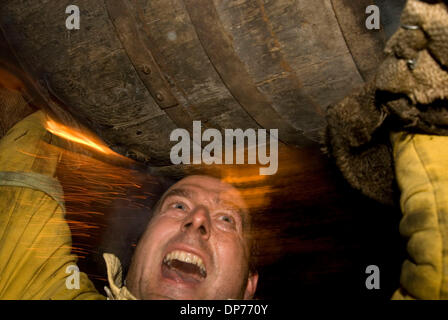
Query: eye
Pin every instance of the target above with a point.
(226, 218)
(179, 206)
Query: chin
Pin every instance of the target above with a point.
(172, 295)
(155, 296)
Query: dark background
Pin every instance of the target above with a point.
(316, 235)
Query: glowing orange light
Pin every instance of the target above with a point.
(76, 136)
(243, 179)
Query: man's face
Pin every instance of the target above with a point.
(194, 246)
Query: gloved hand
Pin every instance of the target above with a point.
(408, 95)
(416, 63)
(409, 92)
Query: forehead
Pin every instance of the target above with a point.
(209, 189)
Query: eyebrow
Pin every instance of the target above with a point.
(181, 192)
(229, 205)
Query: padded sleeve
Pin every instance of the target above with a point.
(35, 239)
(421, 166)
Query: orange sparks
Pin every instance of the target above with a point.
(76, 136)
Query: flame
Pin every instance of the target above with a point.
(76, 136)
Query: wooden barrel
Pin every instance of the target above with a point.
(136, 70)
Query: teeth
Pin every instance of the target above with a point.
(185, 257)
(176, 255)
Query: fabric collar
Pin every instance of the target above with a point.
(116, 289)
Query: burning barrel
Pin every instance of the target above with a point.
(136, 70)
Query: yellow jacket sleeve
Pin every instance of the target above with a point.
(35, 240)
(421, 166)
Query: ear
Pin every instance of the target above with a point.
(251, 286)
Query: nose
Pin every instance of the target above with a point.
(198, 221)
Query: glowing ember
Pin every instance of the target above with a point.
(76, 136)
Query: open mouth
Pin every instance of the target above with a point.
(183, 266)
